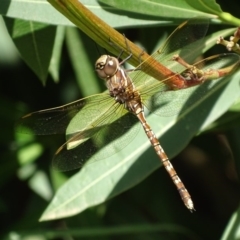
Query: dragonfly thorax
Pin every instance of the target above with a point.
(119, 84)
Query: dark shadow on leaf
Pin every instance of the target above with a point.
(4, 6)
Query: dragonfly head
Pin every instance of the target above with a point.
(106, 66)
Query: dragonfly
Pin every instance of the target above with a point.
(97, 121)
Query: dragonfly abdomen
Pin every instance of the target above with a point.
(166, 163)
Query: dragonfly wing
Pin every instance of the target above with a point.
(89, 124)
(106, 141)
(55, 120)
(186, 40)
(95, 114)
(171, 103)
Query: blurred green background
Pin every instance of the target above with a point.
(208, 165)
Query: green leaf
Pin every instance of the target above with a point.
(159, 8)
(231, 231)
(35, 43)
(40, 184)
(81, 54)
(29, 153)
(104, 179)
(9, 53)
(228, 121)
(42, 11)
(211, 6)
(56, 55)
(97, 182)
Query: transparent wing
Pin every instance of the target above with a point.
(186, 41)
(55, 120)
(89, 124)
(121, 130)
(97, 121)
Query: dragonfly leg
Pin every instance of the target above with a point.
(181, 61)
(139, 67)
(121, 50)
(129, 56)
(192, 75)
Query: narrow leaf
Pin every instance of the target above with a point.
(35, 43)
(41, 11)
(81, 54)
(56, 55)
(97, 182)
(159, 8)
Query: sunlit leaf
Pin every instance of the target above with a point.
(159, 8)
(104, 179)
(42, 11)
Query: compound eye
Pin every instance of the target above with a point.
(99, 66)
(106, 66)
(111, 66)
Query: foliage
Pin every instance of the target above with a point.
(62, 58)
